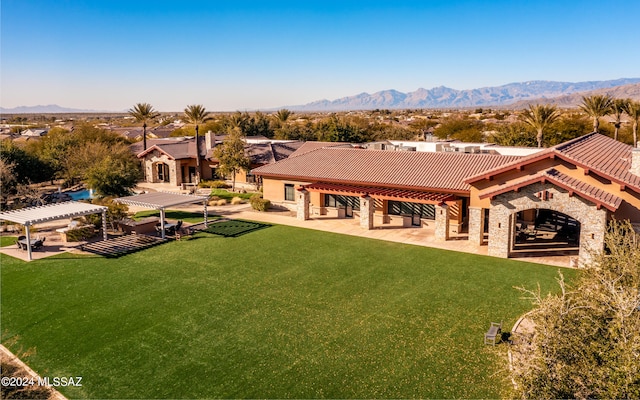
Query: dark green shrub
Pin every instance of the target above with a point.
(258, 203)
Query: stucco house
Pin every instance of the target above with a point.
(173, 160)
(557, 200)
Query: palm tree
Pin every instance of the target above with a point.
(617, 108)
(632, 108)
(196, 114)
(539, 117)
(596, 106)
(143, 112)
(283, 115)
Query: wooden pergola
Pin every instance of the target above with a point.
(163, 200)
(52, 212)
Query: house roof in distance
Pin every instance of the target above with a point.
(594, 152)
(406, 169)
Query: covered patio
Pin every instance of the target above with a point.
(162, 201)
(369, 195)
(35, 215)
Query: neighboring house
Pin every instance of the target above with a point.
(173, 161)
(34, 132)
(554, 201)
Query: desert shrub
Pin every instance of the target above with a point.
(221, 202)
(259, 204)
(214, 184)
(236, 200)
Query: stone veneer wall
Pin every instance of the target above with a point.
(476, 225)
(593, 222)
(303, 198)
(367, 208)
(442, 222)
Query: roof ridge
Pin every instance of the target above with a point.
(570, 142)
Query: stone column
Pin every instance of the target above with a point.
(592, 229)
(476, 225)
(302, 204)
(367, 208)
(499, 231)
(442, 222)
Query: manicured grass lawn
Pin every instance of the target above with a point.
(7, 240)
(187, 216)
(279, 312)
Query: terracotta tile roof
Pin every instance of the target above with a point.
(598, 153)
(598, 196)
(264, 153)
(311, 146)
(380, 193)
(176, 148)
(403, 169)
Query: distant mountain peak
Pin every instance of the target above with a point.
(42, 109)
(444, 97)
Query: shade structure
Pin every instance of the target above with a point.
(163, 200)
(380, 193)
(35, 215)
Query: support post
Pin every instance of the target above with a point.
(162, 222)
(476, 225)
(28, 235)
(366, 212)
(206, 215)
(442, 222)
(302, 204)
(104, 224)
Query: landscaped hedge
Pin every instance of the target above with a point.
(214, 184)
(84, 233)
(259, 204)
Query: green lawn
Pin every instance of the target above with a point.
(7, 240)
(278, 312)
(187, 216)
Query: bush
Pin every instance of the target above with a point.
(237, 200)
(214, 184)
(221, 202)
(259, 204)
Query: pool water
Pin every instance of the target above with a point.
(81, 194)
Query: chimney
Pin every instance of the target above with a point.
(209, 140)
(635, 161)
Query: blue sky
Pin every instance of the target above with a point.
(243, 55)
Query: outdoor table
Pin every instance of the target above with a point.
(23, 243)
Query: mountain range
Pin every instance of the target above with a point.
(444, 97)
(512, 95)
(48, 109)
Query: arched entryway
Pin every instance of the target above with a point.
(559, 203)
(544, 232)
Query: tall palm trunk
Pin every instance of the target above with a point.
(197, 157)
(144, 136)
(539, 138)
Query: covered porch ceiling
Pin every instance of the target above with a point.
(408, 195)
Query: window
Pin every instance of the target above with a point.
(332, 200)
(289, 192)
(405, 208)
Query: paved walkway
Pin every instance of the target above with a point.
(420, 236)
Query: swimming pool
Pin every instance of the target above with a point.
(81, 194)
